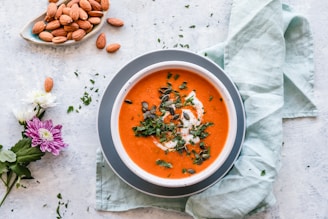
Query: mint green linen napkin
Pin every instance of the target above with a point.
(268, 54)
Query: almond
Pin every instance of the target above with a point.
(101, 41)
(59, 11)
(105, 4)
(84, 24)
(66, 10)
(95, 5)
(65, 19)
(113, 47)
(52, 25)
(71, 3)
(95, 13)
(69, 35)
(51, 10)
(59, 39)
(94, 20)
(116, 22)
(83, 14)
(38, 27)
(54, 1)
(71, 27)
(48, 84)
(78, 34)
(85, 5)
(75, 12)
(59, 32)
(46, 36)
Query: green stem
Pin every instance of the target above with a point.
(9, 187)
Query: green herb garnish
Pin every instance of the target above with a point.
(163, 163)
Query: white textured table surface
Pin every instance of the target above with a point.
(301, 187)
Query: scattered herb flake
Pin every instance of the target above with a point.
(192, 26)
(263, 173)
(70, 109)
(164, 164)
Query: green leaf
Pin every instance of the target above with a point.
(3, 168)
(21, 171)
(25, 152)
(7, 155)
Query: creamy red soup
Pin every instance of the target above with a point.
(173, 123)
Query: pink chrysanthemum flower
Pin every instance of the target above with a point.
(45, 135)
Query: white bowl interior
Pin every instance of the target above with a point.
(195, 178)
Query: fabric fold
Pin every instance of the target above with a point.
(269, 56)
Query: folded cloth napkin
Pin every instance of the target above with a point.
(268, 55)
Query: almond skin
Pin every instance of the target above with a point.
(78, 34)
(52, 25)
(71, 27)
(75, 12)
(59, 32)
(94, 20)
(101, 41)
(116, 22)
(85, 25)
(95, 5)
(38, 27)
(51, 10)
(48, 84)
(59, 39)
(105, 4)
(46, 36)
(113, 47)
(95, 14)
(65, 19)
(83, 14)
(59, 11)
(85, 5)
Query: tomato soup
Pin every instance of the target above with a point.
(173, 123)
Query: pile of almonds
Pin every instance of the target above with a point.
(71, 21)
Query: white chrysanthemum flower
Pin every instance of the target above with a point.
(42, 99)
(25, 114)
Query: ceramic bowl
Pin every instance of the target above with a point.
(194, 178)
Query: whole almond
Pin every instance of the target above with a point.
(94, 20)
(51, 9)
(101, 41)
(85, 5)
(59, 39)
(95, 5)
(116, 22)
(84, 24)
(95, 13)
(75, 12)
(38, 27)
(59, 11)
(54, 1)
(46, 36)
(83, 14)
(59, 32)
(69, 35)
(66, 10)
(65, 19)
(71, 27)
(48, 84)
(52, 25)
(105, 4)
(113, 47)
(78, 34)
(71, 3)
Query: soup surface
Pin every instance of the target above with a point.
(173, 123)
